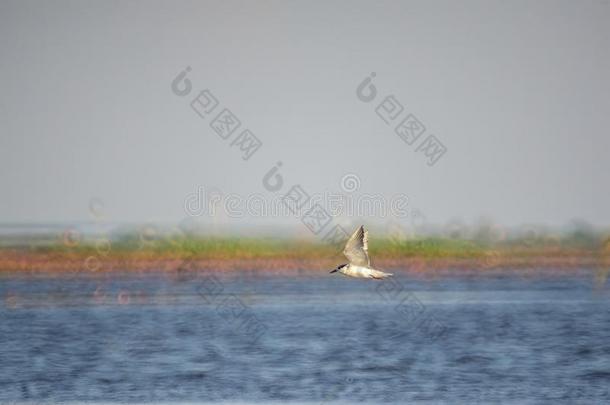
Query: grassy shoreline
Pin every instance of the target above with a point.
(296, 256)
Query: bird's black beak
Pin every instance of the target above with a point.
(334, 271)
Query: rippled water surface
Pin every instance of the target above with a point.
(304, 340)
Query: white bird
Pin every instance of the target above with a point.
(357, 252)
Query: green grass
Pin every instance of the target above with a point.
(242, 248)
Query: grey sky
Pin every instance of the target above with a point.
(517, 91)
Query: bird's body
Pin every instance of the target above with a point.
(357, 252)
(363, 272)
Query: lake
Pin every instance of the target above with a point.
(323, 340)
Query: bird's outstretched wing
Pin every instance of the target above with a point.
(357, 248)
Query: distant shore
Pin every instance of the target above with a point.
(71, 253)
(12, 261)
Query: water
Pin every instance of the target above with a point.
(320, 340)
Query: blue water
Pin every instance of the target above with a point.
(162, 338)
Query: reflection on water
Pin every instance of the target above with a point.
(320, 340)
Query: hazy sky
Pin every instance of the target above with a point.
(518, 92)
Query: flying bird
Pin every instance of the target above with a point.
(357, 252)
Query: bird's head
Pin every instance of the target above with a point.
(339, 268)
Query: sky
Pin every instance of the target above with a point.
(517, 93)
